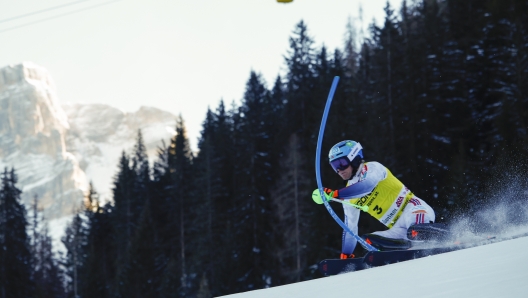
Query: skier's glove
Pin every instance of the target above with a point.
(316, 195)
(331, 193)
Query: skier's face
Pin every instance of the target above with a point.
(345, 174)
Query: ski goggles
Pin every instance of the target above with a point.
(340, 164)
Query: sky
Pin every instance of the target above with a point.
(494, 270)
(179, 56)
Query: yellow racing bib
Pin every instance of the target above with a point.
(387, 200)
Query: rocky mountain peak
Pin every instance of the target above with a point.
(57, 148)
(31, 117)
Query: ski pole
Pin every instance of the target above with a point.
(344, 202)
(360, 240)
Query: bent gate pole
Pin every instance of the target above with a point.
(318, 169)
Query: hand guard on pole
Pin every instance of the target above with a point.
(316, 195)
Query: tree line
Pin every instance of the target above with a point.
(438, 94)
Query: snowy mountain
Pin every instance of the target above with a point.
(56, 149)
(33, 129)
(494, 270)
(99, 134)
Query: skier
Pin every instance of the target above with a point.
(370, 184)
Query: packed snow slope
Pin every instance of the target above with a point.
(493, 270)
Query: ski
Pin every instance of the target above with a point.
(426, 240)
(380, 258)
(377, 258)
(335, 266)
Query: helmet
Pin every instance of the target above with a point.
(345, 153)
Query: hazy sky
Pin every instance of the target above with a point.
(180, 56)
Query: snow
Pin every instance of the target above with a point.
(57, 228)
(494, 270)
(98, 145)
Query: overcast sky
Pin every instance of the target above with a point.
(180, 56)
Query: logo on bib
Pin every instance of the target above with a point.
(399, 201)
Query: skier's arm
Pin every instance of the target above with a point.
(374, 175)
(357, 190)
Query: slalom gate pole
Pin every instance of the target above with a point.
(318, 169)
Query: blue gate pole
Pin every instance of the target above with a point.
(318, 169)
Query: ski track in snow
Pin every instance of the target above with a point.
(493, 270)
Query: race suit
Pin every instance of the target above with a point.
(389, 201)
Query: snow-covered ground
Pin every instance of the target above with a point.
(493, 270)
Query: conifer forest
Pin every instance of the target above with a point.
(438, 94)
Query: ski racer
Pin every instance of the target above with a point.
(372, 185)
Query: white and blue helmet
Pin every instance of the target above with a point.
(342, 154)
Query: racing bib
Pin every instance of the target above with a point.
(387, 200)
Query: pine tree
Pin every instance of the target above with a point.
(300, 61)
(46, 272)
(132, 274)
(210, 214)
(170, 280)
(351, 54)
(74, 240)
(452, 122)
(411, 90)
(180, 200)
(163, 210)
(15, 256)
(225, 201)
(140, 165)
(505, 51)
(387, 73)
(252, 182)
(138, 276)
(123, 222)
(98, 270)
(290, 224)
(276, 125)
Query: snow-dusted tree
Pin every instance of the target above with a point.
(290, 228)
